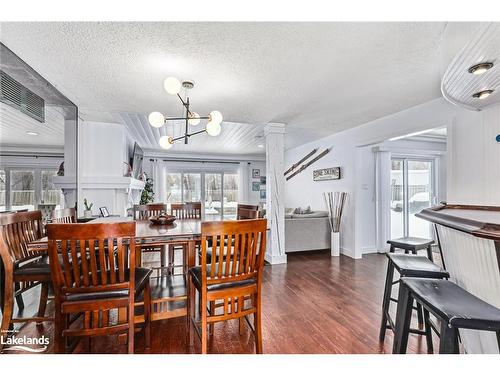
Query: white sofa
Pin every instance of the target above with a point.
(305, 232)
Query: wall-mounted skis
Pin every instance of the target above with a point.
(305, 165)
(296, 165)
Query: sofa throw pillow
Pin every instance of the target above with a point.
(298, 210)
(307, 210)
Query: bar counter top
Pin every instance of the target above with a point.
(479, 221)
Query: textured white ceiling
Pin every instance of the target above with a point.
(318, 78)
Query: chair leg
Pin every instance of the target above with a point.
(498, 340)
(386, 301)
(420, 315)
(171, 255)
(44, 293)
(403, 320)
(147, 314)
(191, 300)
(428, 332)
(448, 343)
(212, 312)
(429, 253)
(19, 298)
(162, 256)
(8, 307)
(131, 326)
(59, 342)
(204, 327)
(257, 316)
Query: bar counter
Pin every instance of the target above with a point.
(469, 241)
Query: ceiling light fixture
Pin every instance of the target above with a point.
(32, 133)
(480, 68)
(157, 120)
(260, 146)
(482, 94)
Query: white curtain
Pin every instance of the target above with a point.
(158, 174)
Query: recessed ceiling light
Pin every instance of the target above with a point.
(261, 146)
(32, 133)
(480, 68)
(482, 94)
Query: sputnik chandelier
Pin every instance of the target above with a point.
(156, 119)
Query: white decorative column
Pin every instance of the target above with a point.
(275, 185)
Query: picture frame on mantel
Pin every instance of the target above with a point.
(256, 173)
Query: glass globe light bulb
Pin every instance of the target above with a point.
(216, 116)
(213, 128)
(166, 142)
(156, 119)
(194, 119)
(172, 85)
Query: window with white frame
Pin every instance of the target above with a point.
(26, 187)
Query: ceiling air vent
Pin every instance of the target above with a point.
(18, 96)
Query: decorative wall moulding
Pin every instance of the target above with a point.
(472, 80)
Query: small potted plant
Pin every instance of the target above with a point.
(87, 213)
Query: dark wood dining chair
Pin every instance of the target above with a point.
(145, 212)
(234, 281)
(22, 269)
(64, 216)
(247, 211)
(187, 210)
(244, 212)
(94, 274)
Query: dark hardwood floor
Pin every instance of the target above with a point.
(313, 304)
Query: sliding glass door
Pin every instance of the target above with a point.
(217, 190)
(412, 190)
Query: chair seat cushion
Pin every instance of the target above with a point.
(411, 243)
(141, 276)
(455, 305)
(416, 266)
(195, 272)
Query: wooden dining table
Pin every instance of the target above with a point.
(168, 292)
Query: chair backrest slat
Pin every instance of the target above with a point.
(238, 249)
(93, 257)
(64, 216)
(187, 210)
(145, 211)
(18, 230)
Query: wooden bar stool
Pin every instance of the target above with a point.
(412, 245)
(453, 306)
(408, 266)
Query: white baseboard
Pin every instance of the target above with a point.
(348, 252)
(275, 259)
(369, 250)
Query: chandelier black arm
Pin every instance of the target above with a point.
(188, 135)
(183, 118)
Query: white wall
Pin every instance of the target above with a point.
(349, 151)
(474, 158)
